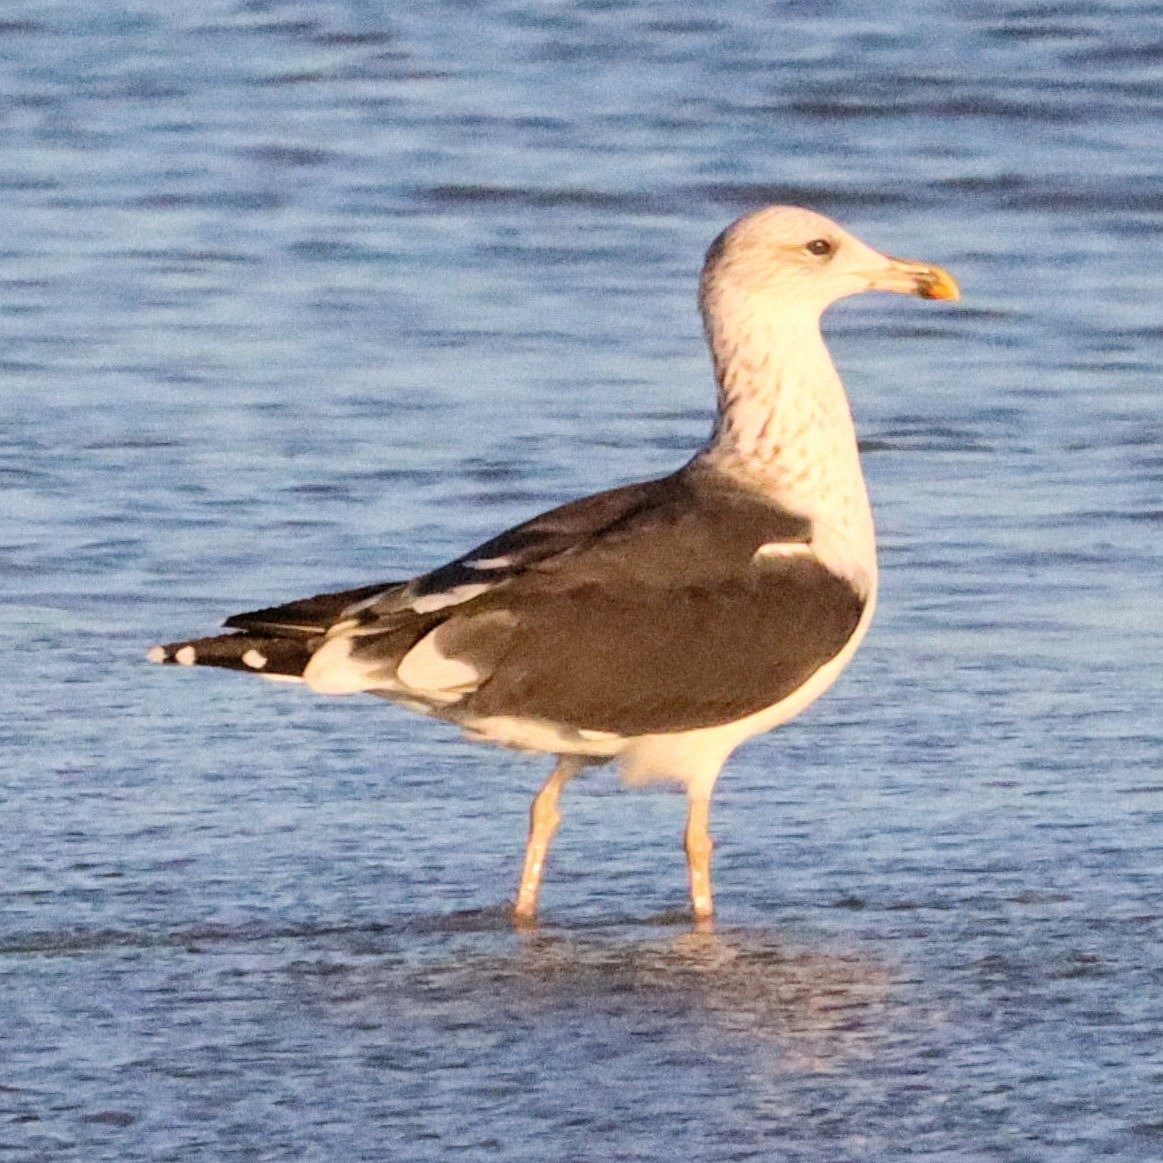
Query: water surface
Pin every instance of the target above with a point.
(299, 296)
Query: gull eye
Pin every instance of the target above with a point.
(819, 247)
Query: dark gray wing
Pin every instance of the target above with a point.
(645, 609)
(642, 609)
(636, 660)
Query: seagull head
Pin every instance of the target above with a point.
(796, 263)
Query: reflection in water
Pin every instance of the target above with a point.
(808, 1010)
(794, 1009)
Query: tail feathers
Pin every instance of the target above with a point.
(307, 617)
(275, 658)
(275, 643)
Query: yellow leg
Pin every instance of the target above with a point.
(543, 821)
(698, 854)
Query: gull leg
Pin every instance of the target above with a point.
(543, 821)
(698, 854)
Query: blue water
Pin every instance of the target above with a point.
(297, 296)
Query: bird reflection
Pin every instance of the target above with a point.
(781, 1005)
(816, 1010)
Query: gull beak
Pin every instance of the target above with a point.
(914, 278)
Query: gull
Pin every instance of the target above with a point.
(657, 625)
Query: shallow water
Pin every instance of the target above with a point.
(299, 296)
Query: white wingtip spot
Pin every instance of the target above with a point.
(187, 656)
(429, 603)
(485, 564)
(784, 549)
(254, 659)
(156, 654)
